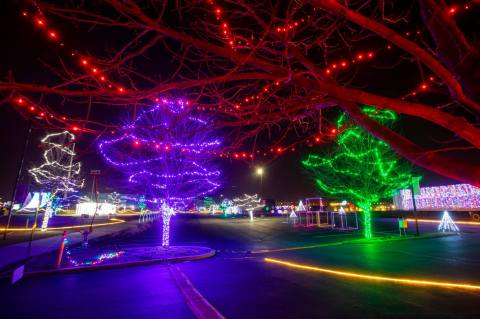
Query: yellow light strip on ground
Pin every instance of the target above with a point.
(406, 281)
(114, 222)
(438, 221)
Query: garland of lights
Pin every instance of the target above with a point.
(362, 169)
(97, 260)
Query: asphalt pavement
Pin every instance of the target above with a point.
(239, 283)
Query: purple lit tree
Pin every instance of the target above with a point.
(166, 153)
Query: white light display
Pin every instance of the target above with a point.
(248, 203)
(90, 208)
(214, 208)
(46, 216)
(460, 196)
(58, 171)
(35, 200)
(232, 210)
(447, 224)
(301, 207)
(292, 214)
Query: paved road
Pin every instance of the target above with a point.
(240, 284)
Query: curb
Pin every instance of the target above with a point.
(211, 253)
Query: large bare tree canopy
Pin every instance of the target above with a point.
(267, 68)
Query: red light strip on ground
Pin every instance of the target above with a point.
(406, 281)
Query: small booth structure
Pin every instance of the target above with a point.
(340, 220)
(312, 214)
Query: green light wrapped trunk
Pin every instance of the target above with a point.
(359, 167)
(367, 222)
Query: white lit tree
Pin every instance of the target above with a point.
(447, 224)
(58, 174)
(248, 202)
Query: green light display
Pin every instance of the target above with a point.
(207, 202)
(360, 168)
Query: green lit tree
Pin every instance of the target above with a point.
(360, 168)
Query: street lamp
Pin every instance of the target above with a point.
(259, 172)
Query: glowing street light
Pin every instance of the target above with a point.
(259, 171)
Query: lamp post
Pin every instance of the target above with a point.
(260, 172)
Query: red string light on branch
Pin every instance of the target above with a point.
(453, 10)
(232, 41)
(40, 113)
(40, 21)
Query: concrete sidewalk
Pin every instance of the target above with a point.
(16, 252)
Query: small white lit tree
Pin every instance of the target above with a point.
(58, 174)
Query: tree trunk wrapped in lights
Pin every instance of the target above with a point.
(165, 154)
(361, 168)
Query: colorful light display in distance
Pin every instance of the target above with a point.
(445, 197)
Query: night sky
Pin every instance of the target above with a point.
(22, 53)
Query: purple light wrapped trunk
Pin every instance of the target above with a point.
(166, 155)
